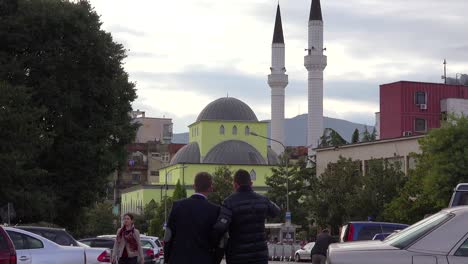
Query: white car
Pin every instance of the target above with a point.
(35, 249)
(439, 239)
(304, 253)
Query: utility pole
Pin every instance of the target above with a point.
(445, 71)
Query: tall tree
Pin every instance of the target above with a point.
(331, 138)
(222, 185)
(366, 136)
(355, 138)
(373, 135)
(75, 72)
(442, 164)
(179, 192)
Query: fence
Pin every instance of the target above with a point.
(282, 252)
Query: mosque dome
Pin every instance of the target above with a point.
(188, 154)
(227, 109)
(234, 152)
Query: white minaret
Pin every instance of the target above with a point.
(315, 62)
(277, 80)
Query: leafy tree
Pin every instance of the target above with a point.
(300, 184)
(156, 226)
(23, 138)
(97, 220)
(149, 212)
(355, 138)
(366, 136)
(179, 192)
(75, 74)
(331, 138)
(442, 164)
(222, 185)
(373, 136)
(381, 183)
(331, 196)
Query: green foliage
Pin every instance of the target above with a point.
(332, 194)
(149, 212)
(157, 223)
(301, 180)
(331, 138)
(373, 135)
(179, 192)
(97, 220)
(78, 96)
(355, 138)
(441, 166)
(366, 136)
(222, 185)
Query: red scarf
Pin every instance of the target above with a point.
(129, 237)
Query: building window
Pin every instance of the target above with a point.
(155, 155)
(154, 173)
(247, 130)
(166, 157)
(234, 130)
(420, 98)
(221, 130)
(253, 175)
(136, 177)
(420, 125)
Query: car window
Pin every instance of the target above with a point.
(310, 246)
(411, 234)
(391, 228)
(463, 250)
(464, 199)
(158, 243)
(17, 239)
(146, 244)
(33, 243)
(86, 242)
(103, 243)
(58, 237)
(368, 232)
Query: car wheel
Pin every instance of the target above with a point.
(297, 258)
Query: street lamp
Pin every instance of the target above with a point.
(165, 192)
(288, 213)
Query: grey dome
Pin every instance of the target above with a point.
(234, 152)
(188, 154)
(272, 157)
(227, 108)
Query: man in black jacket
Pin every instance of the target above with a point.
(319, 251)
(188, 233)
(247, 241)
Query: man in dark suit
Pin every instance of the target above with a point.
(188, 237)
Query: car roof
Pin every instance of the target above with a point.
(97, 238)
(376, 223)
(43, 239)
(457, 209)
(462, 187)
(41, 228)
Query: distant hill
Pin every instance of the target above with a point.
(296, 130)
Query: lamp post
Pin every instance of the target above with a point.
(288, 213)
(165, 192)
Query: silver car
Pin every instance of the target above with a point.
(304, 253)
(439, 239)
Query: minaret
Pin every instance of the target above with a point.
(315, 62)
(277, 80)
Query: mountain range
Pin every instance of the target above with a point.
(296, 130)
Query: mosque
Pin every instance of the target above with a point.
(224, 134)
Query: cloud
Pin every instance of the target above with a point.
(119, 29)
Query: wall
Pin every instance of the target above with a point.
(151, 129)
(209, 135)
(398, 109)
(387, 149)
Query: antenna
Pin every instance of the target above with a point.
(445, 72)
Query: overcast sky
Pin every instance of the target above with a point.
(183, 54)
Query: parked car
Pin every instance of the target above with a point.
(108, 242)
(439, 239)
(304, 253)
(57, 235)
(34, 249)
(357, 231)
(7, 248)
(154, 244)
(460, 195)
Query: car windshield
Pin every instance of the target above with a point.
(411, 234)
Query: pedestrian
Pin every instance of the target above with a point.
(319, 251)
(247, 239)
(188, 236)
(127, 245)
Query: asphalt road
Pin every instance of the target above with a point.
(270, 262)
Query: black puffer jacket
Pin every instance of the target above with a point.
(247, 240)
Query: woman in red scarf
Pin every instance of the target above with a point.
(127, 246)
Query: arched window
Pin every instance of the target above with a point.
(234, 130)
(253, 175)
(247, 130)
(221, 130)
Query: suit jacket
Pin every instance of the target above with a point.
(191, 222)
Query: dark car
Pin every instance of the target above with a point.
(57, 235)
(108, 242)
(7, 249)
(460, 195)
(356, 231)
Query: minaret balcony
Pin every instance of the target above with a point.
(314, 62)
(278, 80)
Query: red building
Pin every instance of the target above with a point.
(413, 108)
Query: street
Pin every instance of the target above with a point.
(270, 262)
